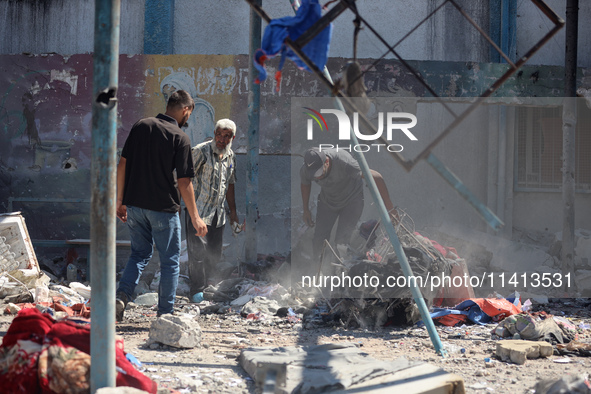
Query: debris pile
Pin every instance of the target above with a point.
(373, 289)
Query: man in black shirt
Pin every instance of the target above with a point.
(156, 165)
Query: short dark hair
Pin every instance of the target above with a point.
(179, 100)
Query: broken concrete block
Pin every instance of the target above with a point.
(340, 367)
(175, 330)
(517, 350)
(147, 299)
(12, 309)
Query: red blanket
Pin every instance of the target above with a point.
(42, 355)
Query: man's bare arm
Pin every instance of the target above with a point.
(305, 189)
(120, 208)
(188, 194)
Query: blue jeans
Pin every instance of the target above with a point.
(146, 228)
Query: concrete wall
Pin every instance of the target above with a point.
(532, 25)
(56, 89)
(64, 27)
(543, 211)
(221, 27)
(210, 43)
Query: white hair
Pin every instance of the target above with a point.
(226, 124)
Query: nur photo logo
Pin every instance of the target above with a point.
(390, 123)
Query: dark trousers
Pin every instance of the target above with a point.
(325, 219)
(204, 253)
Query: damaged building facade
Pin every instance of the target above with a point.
(510, 158)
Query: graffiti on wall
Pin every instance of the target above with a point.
(46, 114)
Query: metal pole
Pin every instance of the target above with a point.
(252, 165)
(569, 125)
(103, 193)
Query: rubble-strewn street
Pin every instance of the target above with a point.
(295, 197)
(262, 332)
(213, 365)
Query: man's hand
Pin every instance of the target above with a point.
(308, 218)
(234, 217)
(235, 224)
(200, 226)
(122, 211)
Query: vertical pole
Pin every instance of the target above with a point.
(569, 125)
(103, 193)
(252, 165)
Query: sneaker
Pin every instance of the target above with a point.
(120, 304)
(197, 297)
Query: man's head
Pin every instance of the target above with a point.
(224, 134)
(180, 105)
(316, 163)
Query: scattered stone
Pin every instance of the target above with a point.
(518, 351)
(176, 331)
(12, 309)
(147, 299)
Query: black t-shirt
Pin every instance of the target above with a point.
(154, 149)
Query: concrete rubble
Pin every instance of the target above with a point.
(578, 384)
(518, 351)
(180, 331)
(341, 366)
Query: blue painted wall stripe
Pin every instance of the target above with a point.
(495, 29)
(159, 27)
(503, 29)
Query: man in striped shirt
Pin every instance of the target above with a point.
(215, 174)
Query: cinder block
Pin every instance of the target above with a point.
(518, 350)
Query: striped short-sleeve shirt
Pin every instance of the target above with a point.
(212, 177)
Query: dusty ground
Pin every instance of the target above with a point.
(214, 366)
